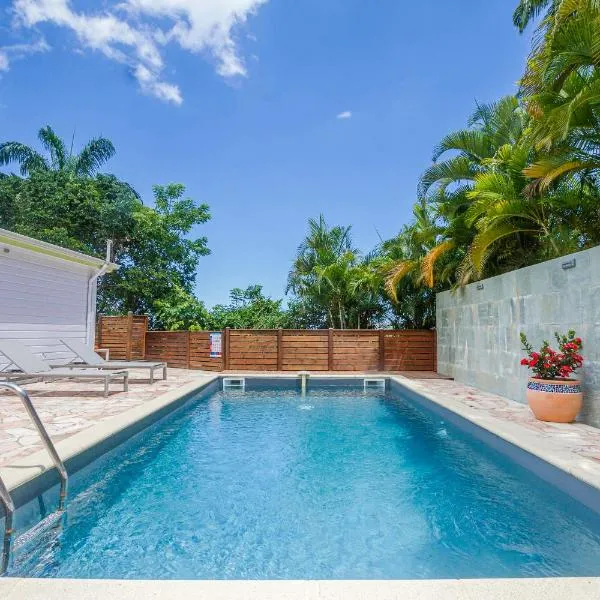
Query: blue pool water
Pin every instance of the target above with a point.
(335, 485)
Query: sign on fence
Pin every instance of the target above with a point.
(216, 345)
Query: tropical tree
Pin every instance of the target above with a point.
(332, 275)
(438, 245)
(58, 157)
(248, 309)
(158, 260)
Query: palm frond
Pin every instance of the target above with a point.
(54, 146)
(528, 10)
(452, 171)
(396, 274)
(27, 158)
(429, 260)
(482, 243)
(95, 153)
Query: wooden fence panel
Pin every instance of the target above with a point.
(168, 346)
(138, 337)
(409, 351)
(271, 350)
(252, 350)
(125, 336)
(200, 353)
(355, 350)
(303, 350)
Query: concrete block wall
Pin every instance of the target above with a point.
(478, 329)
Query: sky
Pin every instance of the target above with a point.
(270, 111)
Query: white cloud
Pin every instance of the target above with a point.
(347, 114)
(16, 51)
(151, 84)
(134, 32)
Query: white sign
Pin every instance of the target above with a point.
(216, 345)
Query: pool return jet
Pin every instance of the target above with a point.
(304, 375)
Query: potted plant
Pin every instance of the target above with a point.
(551, 393)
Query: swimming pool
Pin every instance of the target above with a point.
(338, 484)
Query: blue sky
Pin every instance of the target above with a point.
(239, 99)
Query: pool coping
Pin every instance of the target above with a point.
(440, 589)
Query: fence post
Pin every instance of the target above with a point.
(279, 349)
(330, 350)
(129, 335)
(226, 349)
(381, 350)
(99, 337)
(144, 337)
(189, 357)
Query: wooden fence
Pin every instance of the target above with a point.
(285, 349)
(125, 337)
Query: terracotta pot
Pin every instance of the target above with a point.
(554, 400)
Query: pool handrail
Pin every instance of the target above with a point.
(5, 497)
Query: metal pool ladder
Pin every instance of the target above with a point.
(5, 498)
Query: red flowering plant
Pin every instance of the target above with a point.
(550, 364)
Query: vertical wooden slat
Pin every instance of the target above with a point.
(280, 349)
(99, 340)
(129, 334)
(330, 350)
(381, 366)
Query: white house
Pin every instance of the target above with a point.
(47, 293)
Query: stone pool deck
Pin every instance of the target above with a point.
(69, 407)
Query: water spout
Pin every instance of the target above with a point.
(304, 375)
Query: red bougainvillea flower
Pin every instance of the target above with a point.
(552, 364)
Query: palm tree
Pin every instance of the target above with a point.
(561, 88)
(330, 273)
(442, 231)
(93, 155)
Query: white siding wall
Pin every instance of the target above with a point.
(42, 299)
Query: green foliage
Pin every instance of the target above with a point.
(520, 184)
(248, 309)
(157, 261)
(63, 200)
(78, 213)
(180, 311)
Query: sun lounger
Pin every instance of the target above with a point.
(91, 359)
(33, 366)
